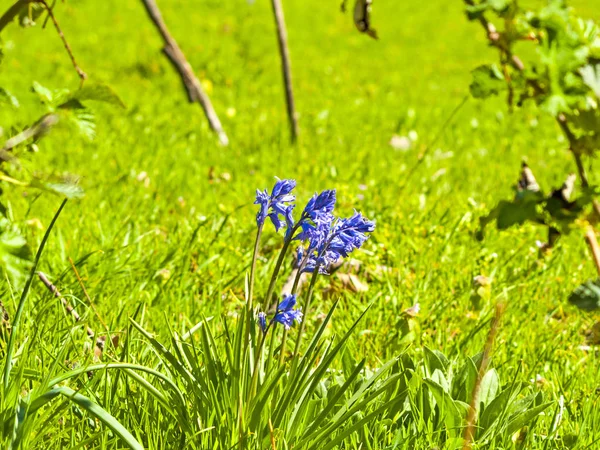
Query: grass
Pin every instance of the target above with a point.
(165, 231)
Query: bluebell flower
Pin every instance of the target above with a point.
(328, 242)
(276, 204)
(262, 321)
(285, 314)
(320, 206)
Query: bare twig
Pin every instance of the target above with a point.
(590, 237)
(183, 67)
(78, 69)
(100, 340)
(37, 130)
(14, 10)
(286, 67)
(4, 317)
(487, 349)
(87, 296)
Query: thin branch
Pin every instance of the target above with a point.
(87, 296)
(4, 317)
(487, 350)
(590, 237)
(14, 10)
(76, 317)
(78, 69)
(37, 130)
(183, 67)
(286, 67)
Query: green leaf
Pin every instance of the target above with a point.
(591, 77)
(487, 81)
(98, 92)
(7, 98)
(96, 411)
(524, 418)
(80, 116)
(15, 256)
(62, 188)
(489, 388)
(46, 95)
(29, 13)
(587, 295)
(450, 412)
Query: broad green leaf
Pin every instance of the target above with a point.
(587, 295)
(591, 77)
(487, 81)
(525, 418)
(15, 256)
(489, 387)
(45, 94)
(98, 92)
(451, 414)
(63, 188)
(435, 360)
(80, 116)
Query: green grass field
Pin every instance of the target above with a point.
(165, 231)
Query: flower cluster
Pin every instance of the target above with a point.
(285, 314)
(277, 204)
(330, 241)
(324, 238)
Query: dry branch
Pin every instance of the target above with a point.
(100, 341)
(286, 67)
(183, 67)
(78, 69)
(35, 131)
(14, 10)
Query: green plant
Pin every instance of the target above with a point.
(561, 79)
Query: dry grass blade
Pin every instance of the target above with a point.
(489, 343)
(100, 341)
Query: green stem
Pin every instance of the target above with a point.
(254, 382)
(294, 289)
(253, 268)
(278, 264)
(25, 293)
(311, 289)
(271, 350)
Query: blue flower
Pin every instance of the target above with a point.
(328, 242)
(285, 314)
(320, 206)
(276, 204)
(262, 321)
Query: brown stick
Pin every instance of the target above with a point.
(99, 341)
(286, 67)
(87, 296)
(12, 12)
(487, 349)
(590, 237)
(183, 67)
(78, 69)
(38, 129)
